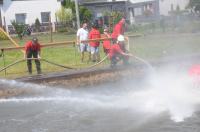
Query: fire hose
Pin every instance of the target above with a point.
(50, 62)
(68, 67)
(21, 60)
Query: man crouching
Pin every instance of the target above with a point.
(117, 52)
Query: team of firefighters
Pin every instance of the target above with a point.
(115, 48)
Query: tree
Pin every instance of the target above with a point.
(19, 28)
(117, 16)
(64, 14)
(85, 14)
(37, 25)
(69, 4)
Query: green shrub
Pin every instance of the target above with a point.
(3, 36)
(19, 28)
(37, 25)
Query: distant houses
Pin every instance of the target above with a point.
(27, 11)
(136, 11)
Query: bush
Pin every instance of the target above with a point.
(37, 25)
(64, 15)
(3, 36)
(19, 28)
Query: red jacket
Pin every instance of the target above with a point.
(195, 70)
(94, 34)
(118, 29)
(33, 47)
(115, 49)
(106, 43)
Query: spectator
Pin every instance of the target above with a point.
(106, 43)
(82, 34)
(33, 49)
(116, 53)
(94, 45)
(27, 31)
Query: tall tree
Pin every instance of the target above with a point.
(69, 4)
(85, 14)
(64, 15)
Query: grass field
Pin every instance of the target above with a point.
(67, 55)
(149, 47)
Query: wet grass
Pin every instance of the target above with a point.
(159, 46)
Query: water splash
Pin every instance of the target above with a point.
(168, 90)
(165, 90)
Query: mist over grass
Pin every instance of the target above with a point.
(160, 46)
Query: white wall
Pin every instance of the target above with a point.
(1, 13)
(165, 5)
(32, 8)
(133, 1)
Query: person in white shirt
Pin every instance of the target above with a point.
(82, 34)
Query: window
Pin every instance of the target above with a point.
(45, 17)
(20, 18)
(138, 11)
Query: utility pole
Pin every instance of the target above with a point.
(77, 14)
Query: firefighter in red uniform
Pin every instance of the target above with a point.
(32, 49)
(94, 45)
(118, 30)
(106, 43)
(194, 73)
(116, 53)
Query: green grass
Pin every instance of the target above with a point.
(65, 55)
(149, 47)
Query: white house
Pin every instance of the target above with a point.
(27, 11)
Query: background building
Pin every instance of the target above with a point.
(27, 11)
(134, 11)
(166, 6)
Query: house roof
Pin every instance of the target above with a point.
(102, 2)
(115, 2)
(139, 1)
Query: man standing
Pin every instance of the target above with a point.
(116, 52)
(33, 49)
(82, 34)
(94, 45)
(118, 29)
